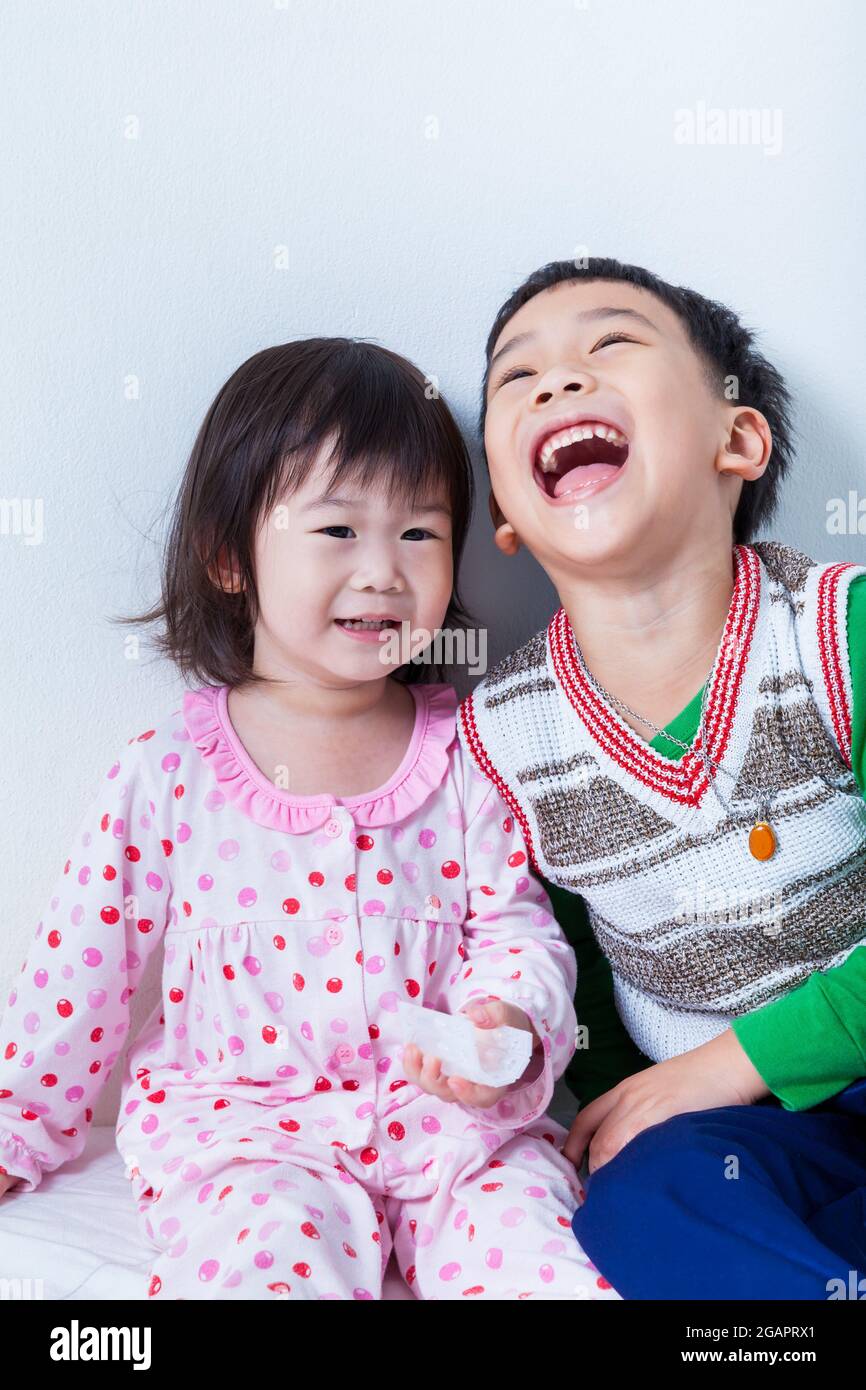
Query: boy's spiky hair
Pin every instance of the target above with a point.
(726, 347)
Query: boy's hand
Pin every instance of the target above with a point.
(425, 1070)
(717, 1073)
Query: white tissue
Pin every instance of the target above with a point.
(490, 1056)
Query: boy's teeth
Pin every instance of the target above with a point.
(571, 436)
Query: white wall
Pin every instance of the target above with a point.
(417, 160)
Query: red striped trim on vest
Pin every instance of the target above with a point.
(466, 711)
(831, 659)
(684, 780)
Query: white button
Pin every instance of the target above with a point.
(333, 828)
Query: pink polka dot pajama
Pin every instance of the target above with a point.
(274, 1145)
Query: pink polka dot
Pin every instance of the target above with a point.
(208, 1270)
(183, 832)
(449, 1271)
(493, 1258)
(171, 762)
(214, 801)
(263, 1259)
(205, 882)
(427, 838)
(84, 874)
(153, 881)
(546, 1274)
(247, 896)
(535, 1191)
(375, 965)
(252, 965)
(374, 907)
(91, 956)
(513, 1216)
(430, 1124)
(228, 849)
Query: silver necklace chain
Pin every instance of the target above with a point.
(764, 800)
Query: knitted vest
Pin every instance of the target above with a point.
(696, 930)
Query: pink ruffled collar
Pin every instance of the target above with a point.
(421, 771)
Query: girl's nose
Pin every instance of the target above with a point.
(381, 572)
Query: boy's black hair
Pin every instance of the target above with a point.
(256, 444)
(726, 347)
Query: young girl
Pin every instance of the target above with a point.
(310, 845)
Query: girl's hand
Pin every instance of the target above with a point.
(6, 1181)
(717, 1073)
(425, 1070)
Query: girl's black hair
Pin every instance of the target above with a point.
(727, 350)
(257, 442)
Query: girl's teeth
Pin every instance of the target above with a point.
(363, 624)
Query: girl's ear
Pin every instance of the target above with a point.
(224, 575)
(505, 537)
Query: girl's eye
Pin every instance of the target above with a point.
(419, 532)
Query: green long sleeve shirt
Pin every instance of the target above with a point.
(809, 1044)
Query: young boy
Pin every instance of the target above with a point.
(684, 746)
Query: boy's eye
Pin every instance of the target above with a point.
(614, 338)
(602, 342)
(326, 530)
(419, 531)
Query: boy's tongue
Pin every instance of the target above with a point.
(577, 478)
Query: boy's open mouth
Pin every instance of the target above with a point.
(567, 460)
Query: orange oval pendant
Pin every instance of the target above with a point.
(762, 841)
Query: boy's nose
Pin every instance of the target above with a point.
(564, 380)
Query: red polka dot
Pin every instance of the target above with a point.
(109, 872)
(369, 1156)
(384, 876)
(298, 981)
(334, 985)
(133, 853)
(317, 879)
(518, 857)
(291, 905)
(450, 869)
(322, 1084)
(110, 915)
(365, 842)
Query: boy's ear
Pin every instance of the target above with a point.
(746, 451)
(505, 537)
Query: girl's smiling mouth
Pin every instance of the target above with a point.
(578, 459)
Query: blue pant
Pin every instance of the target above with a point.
(667, 1218)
